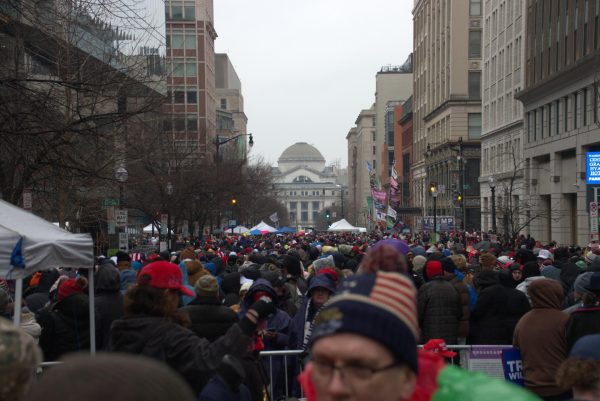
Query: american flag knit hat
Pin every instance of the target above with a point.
(382, 307)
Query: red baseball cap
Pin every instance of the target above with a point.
(164, 274)
(438, 346)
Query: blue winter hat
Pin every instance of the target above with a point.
(381, 307)
(586, 347)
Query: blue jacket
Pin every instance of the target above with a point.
(217, 390)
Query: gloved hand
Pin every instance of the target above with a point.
(263, 307)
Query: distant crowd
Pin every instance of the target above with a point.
(207, 310)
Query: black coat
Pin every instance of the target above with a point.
(584, 320)
(209, 318)
(66, 326)
(109, 301)
(488, 319)
(194, 358)
(440, 310)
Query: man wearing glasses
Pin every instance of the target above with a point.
(364, 341)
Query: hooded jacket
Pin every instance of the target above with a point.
(108, 299)
(488, 320)
(540, 335)
(40, 296)
(66, 327)
(194, 358)
(210, 319)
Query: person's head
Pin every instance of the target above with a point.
(320, 290)
(581, 370)
(20, 358)
(100, 378)
(544, 257)
(516, 272)
(487, 261)
(433, 268)
(157, 293)
(364, 341)
(207, 286)
(71, 286)
(123, 260)
(460, 261)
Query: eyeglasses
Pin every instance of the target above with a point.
(350, 372)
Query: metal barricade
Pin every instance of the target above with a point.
(463, 351)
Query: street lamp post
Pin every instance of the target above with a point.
(341, 187)
(492, 183)
(169, 193)
(218, 144)
(434, 194)
(121, 174)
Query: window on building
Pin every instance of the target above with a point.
(374, 150)
(178, 95)
(556, 124)
(293, 216)
(179, 124)
(293, 205)
(177, 41)
(566, 114)
(192, 123)
(167, 125)
(585, 107)
(474, 84)
(374, 137)
(223, 104)
(192, 97)
(474, 129)
(475, 7)
(190, 42)
(475, 44)
(190, 69)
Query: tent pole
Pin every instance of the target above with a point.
(92, 303)
(18, 301)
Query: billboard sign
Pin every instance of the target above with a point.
(592, 170)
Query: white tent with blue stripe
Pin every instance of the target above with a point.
(29, 243)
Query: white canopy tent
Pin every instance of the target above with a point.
(29, 243)
(262, 226)
(240, 230)
(342, 225)
(148, 228)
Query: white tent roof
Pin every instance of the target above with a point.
(342, 225)
(262, 226)
(240, 230)
(44, 246)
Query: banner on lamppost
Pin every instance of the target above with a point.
(27, 199)
(164, 219)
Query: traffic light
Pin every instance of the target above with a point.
(327, 214)
(459, 197)
(234, 201)
(432, 187)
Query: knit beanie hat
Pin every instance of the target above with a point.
(207, 286)
(433, 268)
(582, 281)
(381, 307)
(123, 257)
(71, 286)
(448, 265)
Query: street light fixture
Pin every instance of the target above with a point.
(492, 184)
(218, 144)
(434, 193)
(169, 193)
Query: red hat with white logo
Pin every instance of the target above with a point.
(163, 274)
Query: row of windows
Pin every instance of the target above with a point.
(303, 216)
(304, 206)
(181, 95)
(306, 193)
(501, 110)
(502, 157)
(181, 68)
(180, 10)
(187, 123)
(186, 41)
(576, 110)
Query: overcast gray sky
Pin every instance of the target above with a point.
(308, 67)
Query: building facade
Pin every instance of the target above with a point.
(403, 154)
(447, 107)
(393, 85)
(306, 186)
(231, 118)
(560, 101)
(502, 130)
(362, 149)
(191, 107)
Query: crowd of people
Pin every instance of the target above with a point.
(355, 306)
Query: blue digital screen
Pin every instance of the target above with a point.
(592, 172)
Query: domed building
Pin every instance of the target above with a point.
(306, 185)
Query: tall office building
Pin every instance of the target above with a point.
(447, 106)
(191, 107)
(231, 119)
(560, 100)
(362, 149)
(502, 132)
